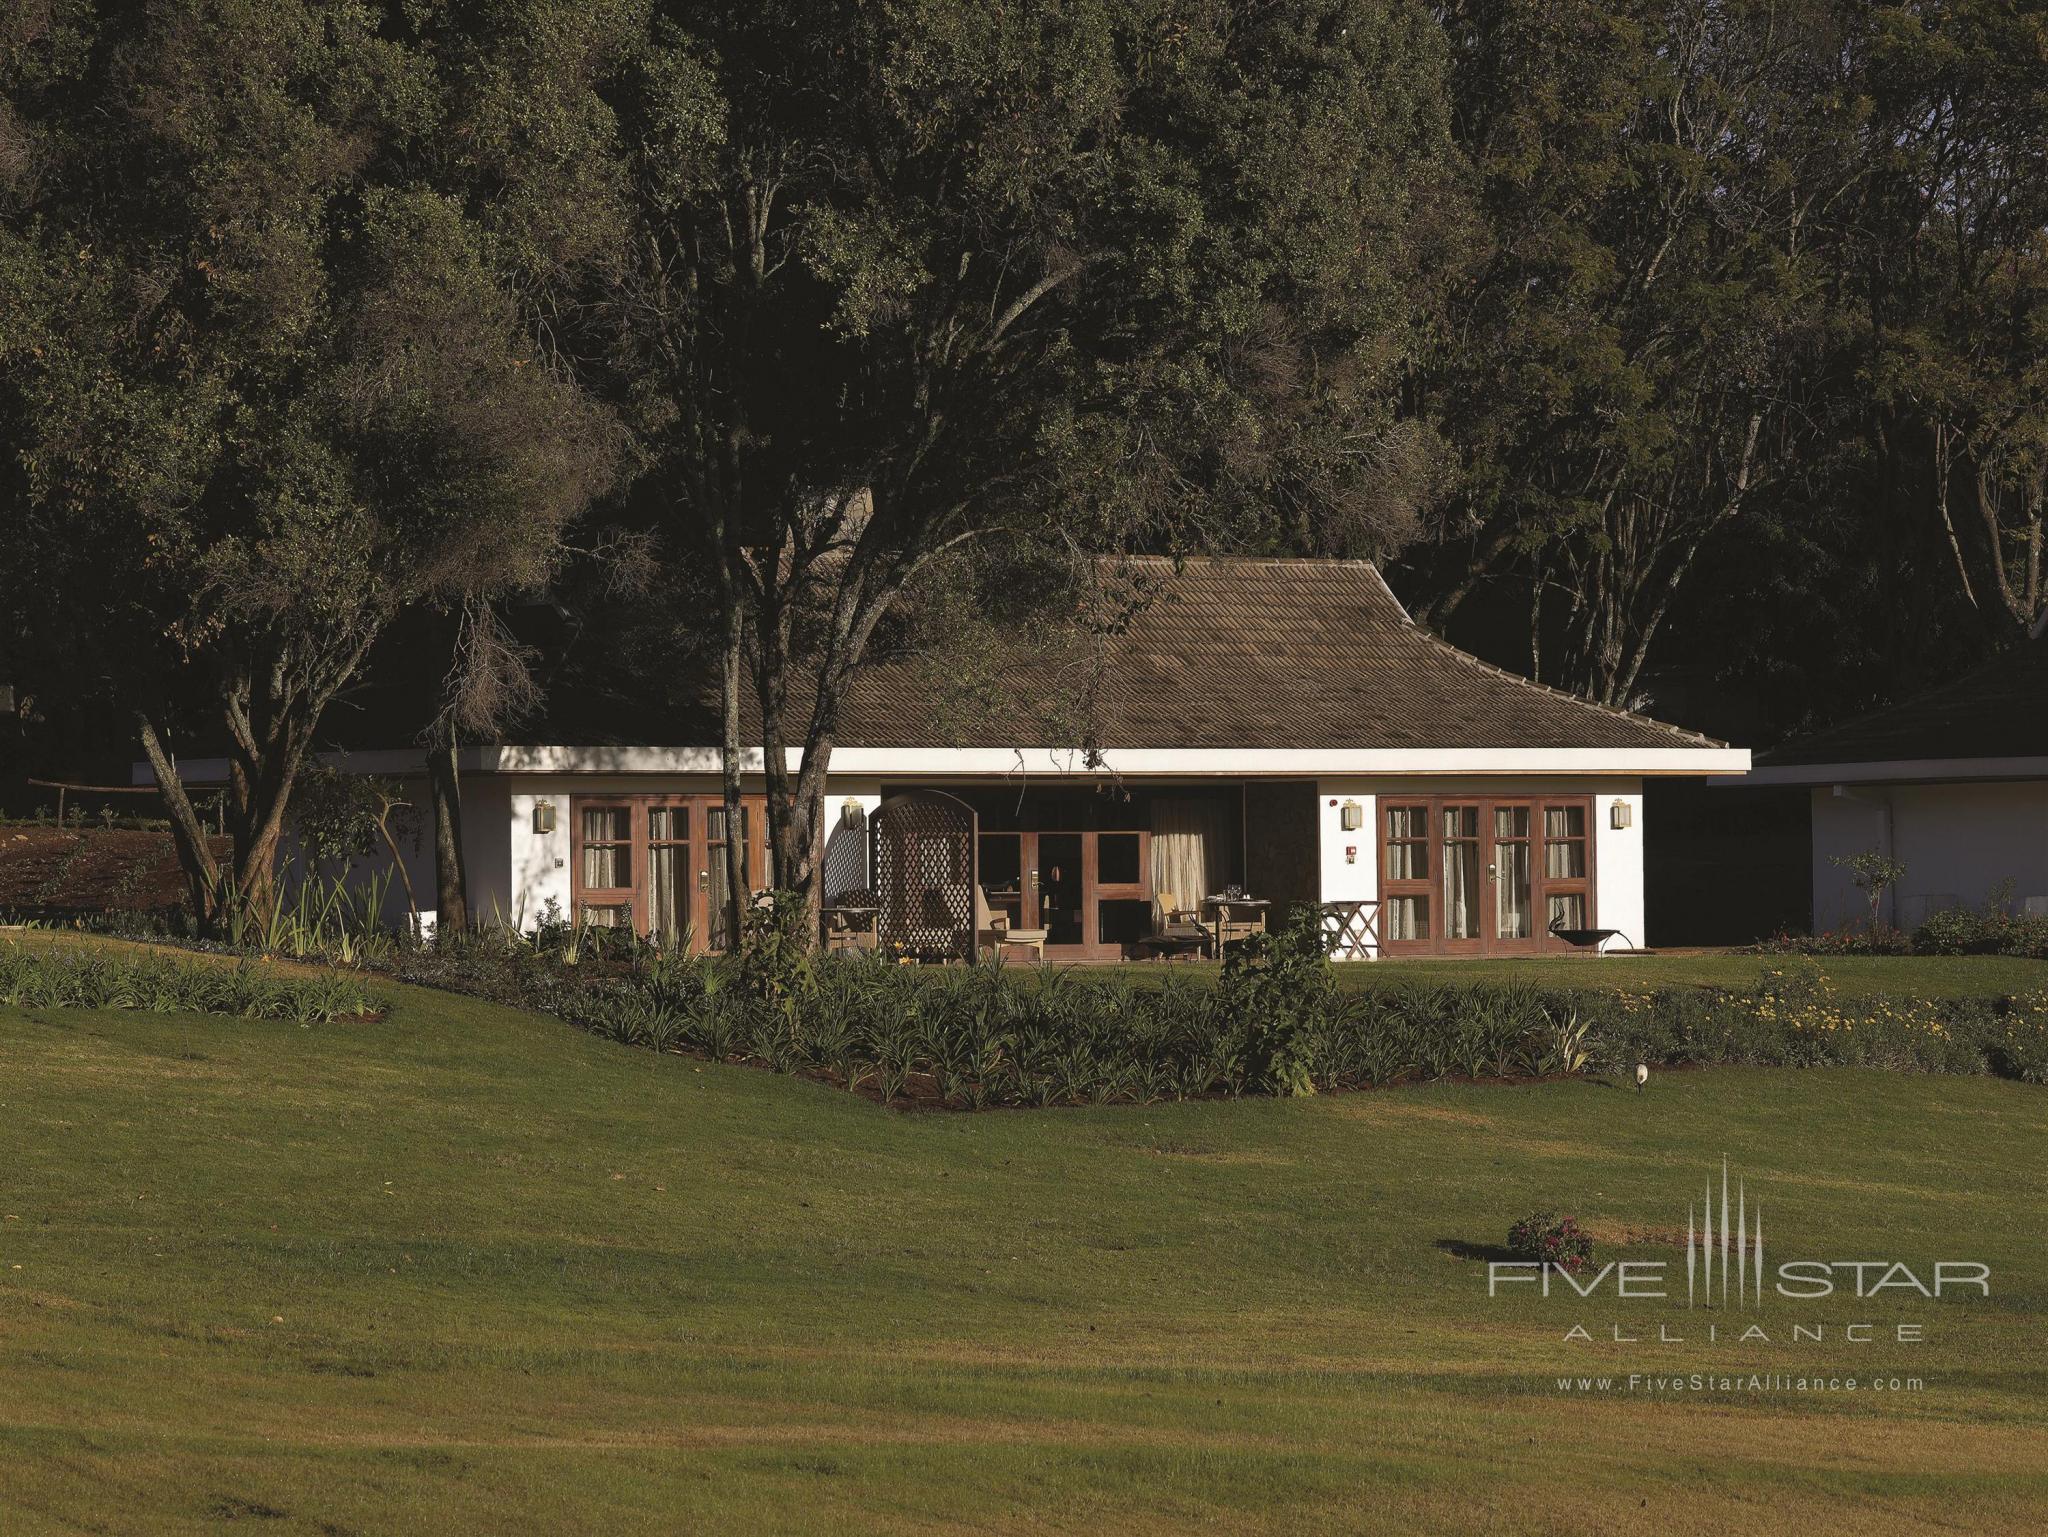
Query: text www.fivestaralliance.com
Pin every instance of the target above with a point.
(1752, 1382)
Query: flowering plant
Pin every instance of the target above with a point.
(1549, 1239)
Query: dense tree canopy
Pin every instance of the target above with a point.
(892, 283)
(271, 387)
(1753, 348)
(1692, 355)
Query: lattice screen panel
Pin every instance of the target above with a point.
(925, 875)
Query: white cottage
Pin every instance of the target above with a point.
(1276, 728)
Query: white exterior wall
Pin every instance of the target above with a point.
(514, 871)
(538, 863)
(1617, 852)
(1959, 844)
(1618, 864)
(1347, 878)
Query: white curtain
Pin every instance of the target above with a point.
(1512, 919)
(1187, 849)
(1564, 849)
(667, 865)
(1461, 872)
(607, 854)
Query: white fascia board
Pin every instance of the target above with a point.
(1177, 762)
(1893, 771)
(1285, 762)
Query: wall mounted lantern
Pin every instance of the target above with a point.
(1620, 815)
(543, 817)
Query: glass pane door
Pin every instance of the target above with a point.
(668, 875)
(1001, 858)
(1123, 895)
(1513, 915)
(1461, 891)
(1060, 889)
(1567, 878)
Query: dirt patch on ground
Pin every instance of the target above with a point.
(1212, 1155)
(1378, 1107)
(1631, 1235)
(60, 873)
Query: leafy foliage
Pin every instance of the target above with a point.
(975, 1037)
(1548, 1239)
(35, 977)
(272, 384)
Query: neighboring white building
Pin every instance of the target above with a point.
(1953, 784)
(1277, 726)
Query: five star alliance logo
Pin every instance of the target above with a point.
(1724, 1266)
(1747, 1261)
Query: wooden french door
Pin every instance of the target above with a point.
(1090, 891)
(656, 864)
(1484, 875)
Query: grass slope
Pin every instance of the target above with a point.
(468, 1270)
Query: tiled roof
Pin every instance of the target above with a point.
(1245, 653)
(1998, 711)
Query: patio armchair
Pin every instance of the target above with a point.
(993, 933)
(1180, 930)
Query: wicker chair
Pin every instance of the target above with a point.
(1181, 929)
(993, 934)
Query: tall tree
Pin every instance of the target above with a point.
(1947, 251)
(286, 393)
(906, 279)
(1620, 361)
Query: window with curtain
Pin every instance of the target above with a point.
(1407, 917)
(1567, 898)
(607, 848)
(1461, 872)
(1567, 910)
(1406, 895)
(1564, 843)
(668, 873)
(1512, 916)
(1407, 843)
(1188, 851)
(720, 892)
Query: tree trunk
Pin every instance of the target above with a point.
(188, 833)
(730, 760)
(451, 876)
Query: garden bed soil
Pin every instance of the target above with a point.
(63, 873)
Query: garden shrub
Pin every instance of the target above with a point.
(1959, 931)
(2017, 1040)
(1855, 938)
(1280, 984)
(39, 978)
(1992, 931)
(979, 1036)
(982, 1036)
(1548, 1239)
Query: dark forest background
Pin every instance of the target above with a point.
(428, 372)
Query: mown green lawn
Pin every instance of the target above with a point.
(467, 1270)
